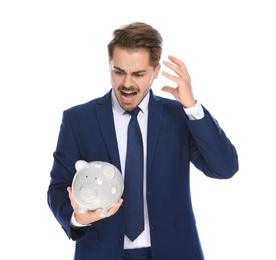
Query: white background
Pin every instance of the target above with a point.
(53, 55)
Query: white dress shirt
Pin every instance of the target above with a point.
(121, 120)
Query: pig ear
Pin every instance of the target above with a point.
(81, 164)
(109, 172)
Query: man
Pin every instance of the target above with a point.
(174, 133)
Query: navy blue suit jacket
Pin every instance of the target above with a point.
(87, 132)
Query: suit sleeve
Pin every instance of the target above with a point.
(62, 173)
(211, 150)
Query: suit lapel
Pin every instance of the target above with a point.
(154, 124)
(106, 123)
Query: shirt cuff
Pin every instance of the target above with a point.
(75, 224)
(194, 113)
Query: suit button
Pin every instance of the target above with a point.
(121, 239)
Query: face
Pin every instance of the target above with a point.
(131, 76)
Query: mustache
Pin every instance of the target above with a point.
(129, 89)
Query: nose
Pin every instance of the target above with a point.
(128, 82)
(88, 193)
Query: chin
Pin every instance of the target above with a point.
(128, 107)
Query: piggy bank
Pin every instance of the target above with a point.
(96, 184)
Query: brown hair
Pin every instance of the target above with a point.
(137, 35)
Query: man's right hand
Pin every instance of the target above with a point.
(91, 215)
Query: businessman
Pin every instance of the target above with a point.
(170, 135)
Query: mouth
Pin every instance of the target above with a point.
(128, 96)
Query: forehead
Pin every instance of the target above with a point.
(131, 59)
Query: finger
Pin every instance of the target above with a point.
(171, 77)
(177, 66)
(88, 216)
(115, 208)
(96, 214)
(174, 68)
(178, 62)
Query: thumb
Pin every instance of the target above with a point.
(71, 197)
(168, 89)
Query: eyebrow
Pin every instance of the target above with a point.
(134, 72)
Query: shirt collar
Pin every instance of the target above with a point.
(143, 105)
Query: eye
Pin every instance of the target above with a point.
(138, 75)
(118, 72)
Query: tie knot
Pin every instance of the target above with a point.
(135, 111)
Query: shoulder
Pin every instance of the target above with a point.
(166, 103)
(89, 106)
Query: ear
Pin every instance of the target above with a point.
(109, 172)
(81, 164)
(156, 72)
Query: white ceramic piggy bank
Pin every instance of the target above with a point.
(97, 184)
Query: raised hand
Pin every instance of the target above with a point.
(183, 91)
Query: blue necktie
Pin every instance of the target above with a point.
(133, 192)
